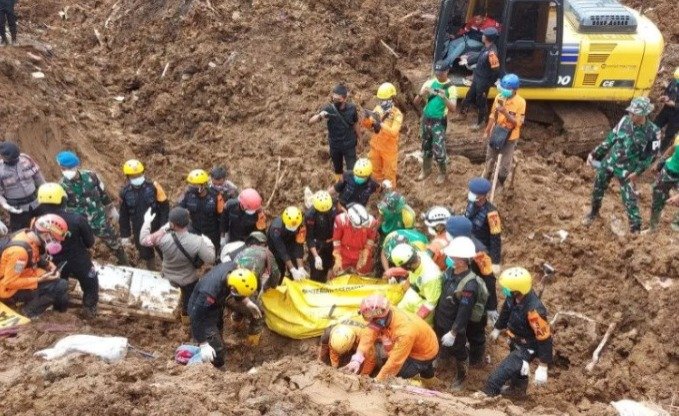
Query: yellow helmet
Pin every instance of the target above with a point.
(292, 217)
(363, 168)
(342, 338)
(516, 279)
(322, 201)
(51, 193)
(676, 73)
(408, 217)
(386, 91)
(133, 167)
(243, 281)
(197, 177)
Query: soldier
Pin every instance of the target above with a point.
(486, 224)
(219, 183)
(87, 196)
(20, 179)
(667, 179)
(669, 115)
(137, 196)
(629, 149)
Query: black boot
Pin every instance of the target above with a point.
(516, 389)
(461, 368)
(593, 215)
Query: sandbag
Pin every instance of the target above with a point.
(110, 349)
(303, 309)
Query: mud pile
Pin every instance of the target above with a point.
(186, 84)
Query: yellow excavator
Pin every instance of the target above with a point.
(563, 51)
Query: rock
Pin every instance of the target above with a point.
(33, 57)
(37, 75)
(235, 15)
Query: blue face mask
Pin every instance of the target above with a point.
(360, 180)
(505, 93)
(506, 292)
(450, 263)
(382, 322)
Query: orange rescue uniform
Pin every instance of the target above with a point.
(516, 106)
(18, 272)
(406, 336)
(384, 145)
(336, 360)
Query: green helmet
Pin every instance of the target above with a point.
(640, 106)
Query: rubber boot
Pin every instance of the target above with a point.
(151, 264)
(253, 339)
(426, 169)
(89, 312)
(655, 219)
(516, 389)
(441, 177)
(593, 215)
(461, 368)
(121, 256)
(477, 357)
(432, 383)
(186, 320)
(675, 223)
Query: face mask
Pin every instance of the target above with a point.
(380, 323)
(137, 181)
(471, 197)
(450, 263)
(69, 174)
(506, 292)
(291, 229)
(53, 248)
(360, 180)
(505, 93)
(386, 104)
(251, 211)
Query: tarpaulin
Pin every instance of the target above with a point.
(303, 309)
(9, 318)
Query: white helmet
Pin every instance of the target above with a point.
(437, 215)
(461, 248)
(358, 215)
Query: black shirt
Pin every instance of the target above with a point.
(341, 133)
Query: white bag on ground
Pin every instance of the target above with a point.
(631, 408)
(110, 349)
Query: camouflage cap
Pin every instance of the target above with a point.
(392, 202)
(640, 106)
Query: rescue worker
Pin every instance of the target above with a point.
(183, 253)
(339, 343)
(486, 223)
(524, 320)
(410, 343)
(435, 220)
(7, 15)
(441, 97)
(87, 196)
(410, 236)
(75, 249)
(461, 226)
(224, 283)
(220, 183)
(286, 237)
(343, 129)
(509, 112)
(484, 76)
(668, 167)
(137, 196)
(385, 122)
(206, 207)
(20, 179)
(394, 213)
(668, 117)
(424, 281)
(468, 38)
(29, 277)
(460, 315)
(353, 239)
(257, 258)
(243, 215)
(355, 186)
(629, 149)
(319, 221)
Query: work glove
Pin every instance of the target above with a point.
(386, 184)
(354, 365)
(497, 269)
(495, 334)
(3, 228)
(448, 339)
(207, 353)
(224, 240)
(318, 263)
(297, 274)
(112, 213)
(493, 316)
(253, 308)
(126, 242)
(525, 368)
(10, 208)
(149, 216)
(541, 375)
(323, 114)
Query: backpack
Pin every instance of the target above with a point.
(480, 306)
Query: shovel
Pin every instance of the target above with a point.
(547, 275)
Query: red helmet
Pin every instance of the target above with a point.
(374, 307)
(249, 199)
(53, 225)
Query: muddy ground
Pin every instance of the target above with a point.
(186, 84)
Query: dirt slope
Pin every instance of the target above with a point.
(185, 84)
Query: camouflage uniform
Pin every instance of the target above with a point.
(627, 149)
(87, 196)
(667, 179)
